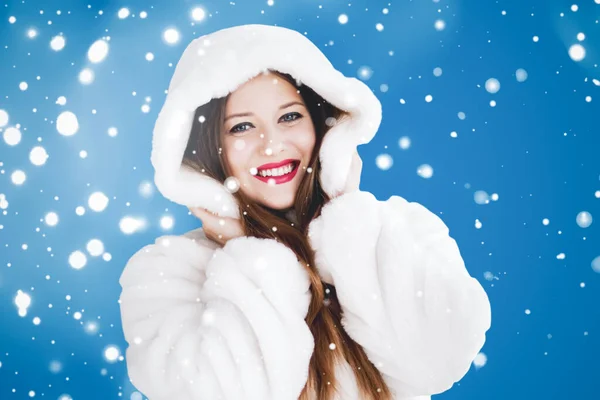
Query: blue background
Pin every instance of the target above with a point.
(537, 149)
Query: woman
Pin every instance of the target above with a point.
(298, 285)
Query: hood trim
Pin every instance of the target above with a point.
(215, 65)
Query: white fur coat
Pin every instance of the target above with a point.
(205, 322)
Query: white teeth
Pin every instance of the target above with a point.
(277, 171)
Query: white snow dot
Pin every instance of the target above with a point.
(61, 101)
(149, 56)
(561, 256)
(171, 35)
(167, 222)
(80, 211)
(232, 184)
(12, 19)
(36, 320)
(67, 123)
(454, 134)
(12, 136)
(31, 33)
(198, 14)
(23, 86)
(492, 85)
(18, 177)
(596, 264)
(112, 131)
(536, 39)
(521, 75)
(577, 52)
(136, 396)
(428, 98)
(574, 7)
(425, 171)
(77, 315)
(481, 197)
(98, 51)
(332, 346)
(86, 76)
(51, 219)
(38, 156)
(584, 219)
(480, 360)
(588, 99)
(146, 189)
(384, 161)
(129, 225)
(437, 72)
(379, 27)
(57, 43)
(343, 19)
(528, 311)
(439, 25)
(461, 115)
(77, 260)
(97, 201)
(3, 118)
(581, 36)
(546, 221)
(95, 247)
(404, 142)
(123, 13)
(478, 224)
(365, 73)
(111, 353)
(22, 301)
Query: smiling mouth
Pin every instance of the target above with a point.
(279, 175)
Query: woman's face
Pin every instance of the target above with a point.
(268, 138)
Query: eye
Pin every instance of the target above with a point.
(236, 128)
(295, 116)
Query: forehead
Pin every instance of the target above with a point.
(263, 91)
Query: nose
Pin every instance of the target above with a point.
(274, 141)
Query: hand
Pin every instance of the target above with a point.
(218, 229)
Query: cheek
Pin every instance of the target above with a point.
(305, 140)
(238, 151)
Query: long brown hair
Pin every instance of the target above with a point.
(204, 154)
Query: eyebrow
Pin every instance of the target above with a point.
(246, 114)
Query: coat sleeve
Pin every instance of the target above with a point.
(216, 323)
(405, 293)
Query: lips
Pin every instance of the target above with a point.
(278, 164)
(278, 180)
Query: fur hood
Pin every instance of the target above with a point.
(215, 65)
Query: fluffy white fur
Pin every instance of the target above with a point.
(216, 64)
(213, 323)
(208, 323)
(405, 293)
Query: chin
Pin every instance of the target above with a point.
(279, 205)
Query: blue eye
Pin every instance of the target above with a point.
(294, 114)
(236, 130)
